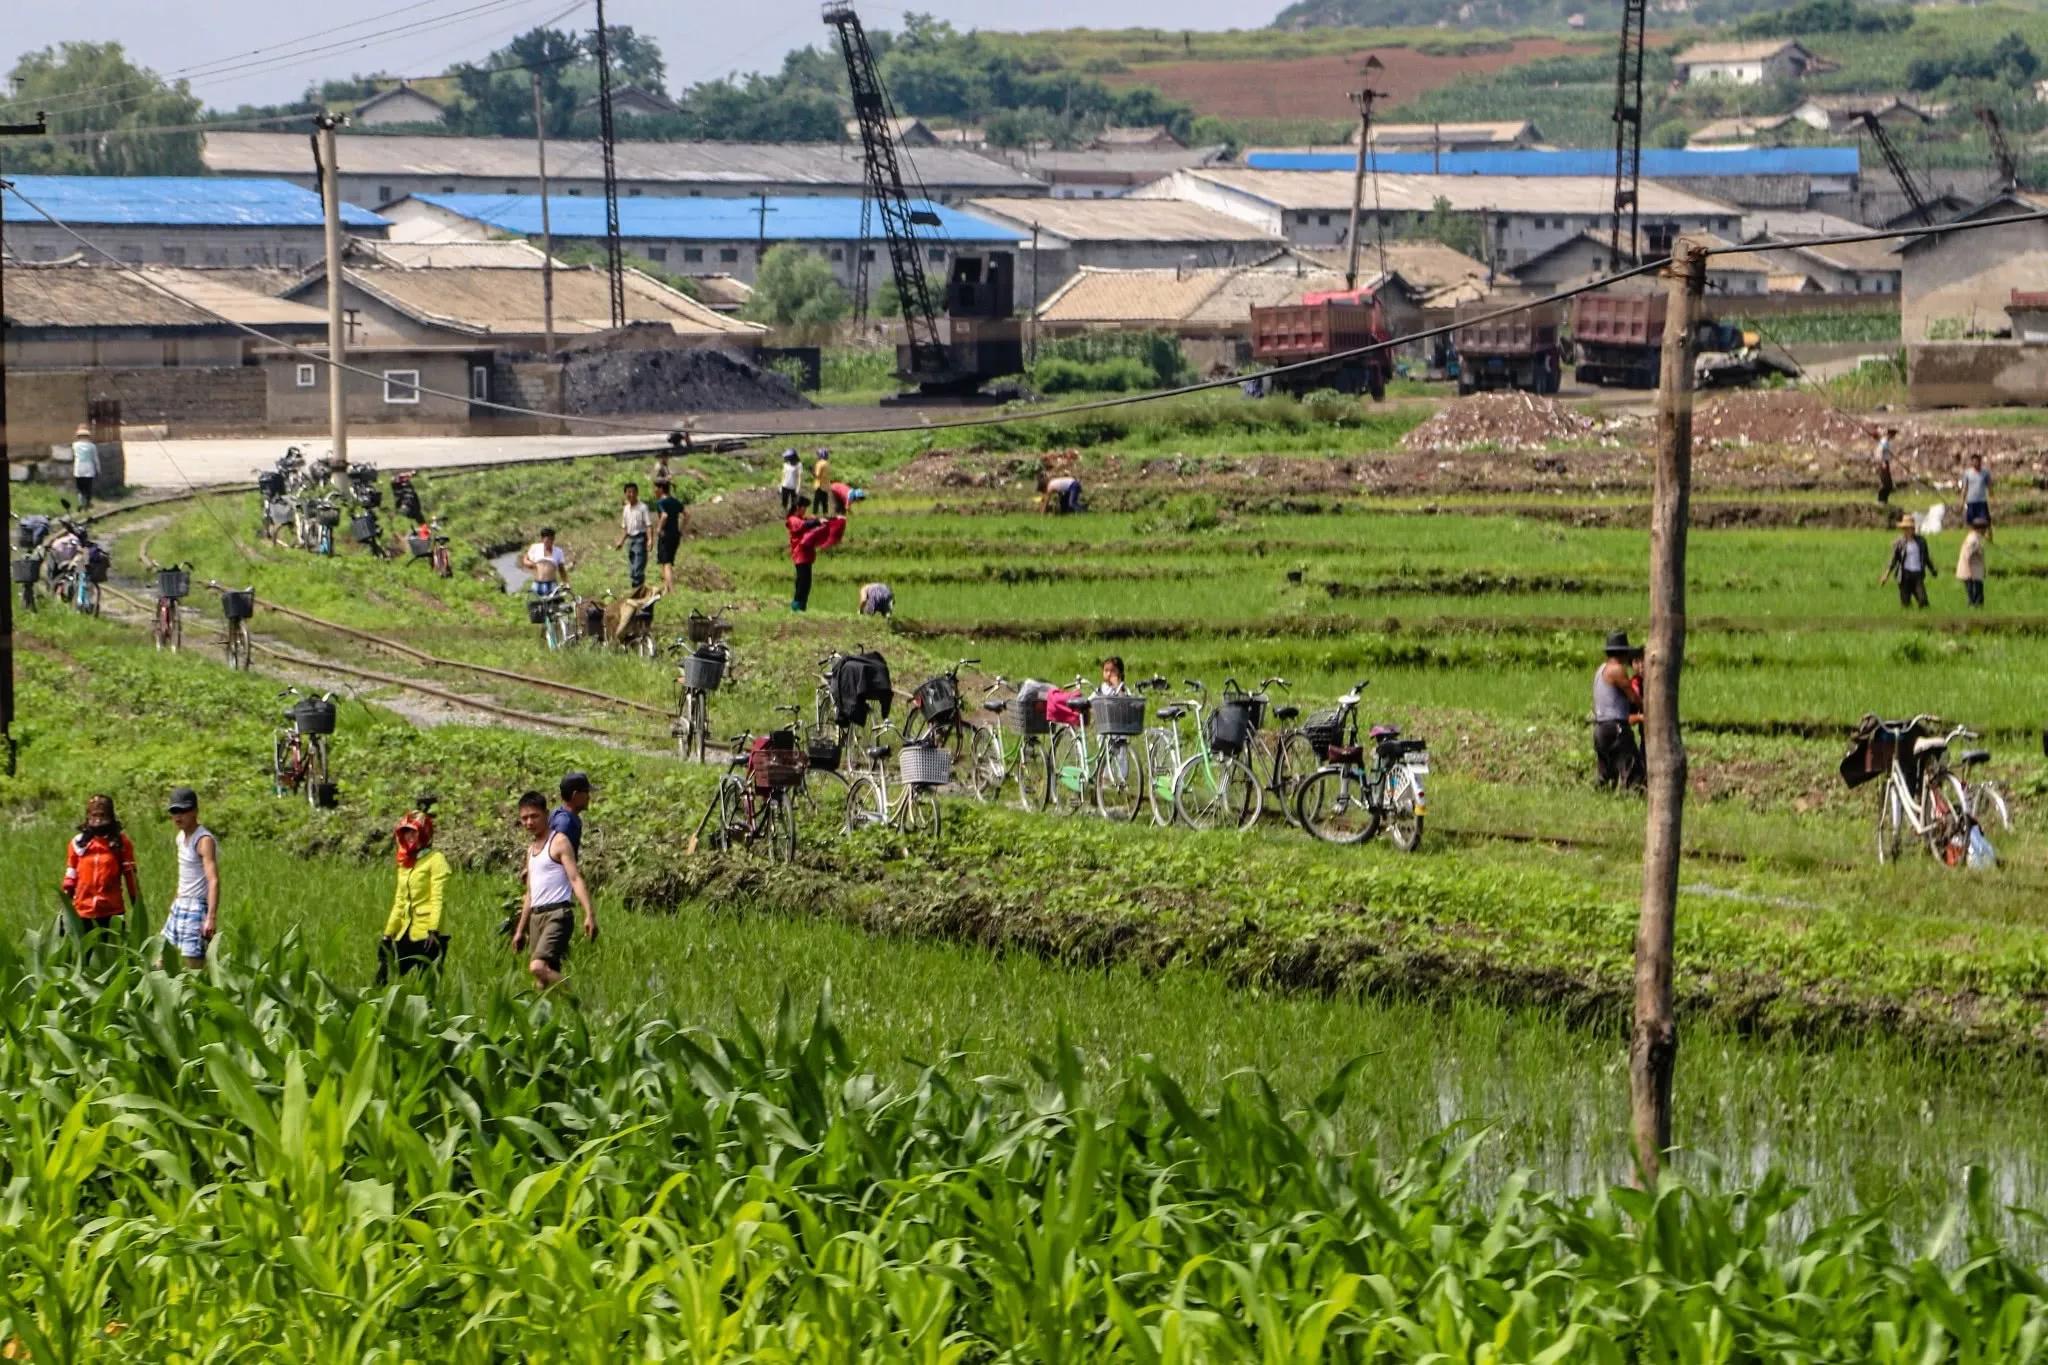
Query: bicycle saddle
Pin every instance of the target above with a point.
(1171, 712)
(1385, 732)
(1286, 712)
(1975, 756)
(1083, 704)
(878, 751)
(997, 706)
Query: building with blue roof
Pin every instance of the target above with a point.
(704, 236)
(171, 220)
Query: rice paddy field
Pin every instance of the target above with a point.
(1050, 1088)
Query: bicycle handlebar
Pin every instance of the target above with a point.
(1284, 685)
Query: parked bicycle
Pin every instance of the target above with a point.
(429, 543)
(909, 806)
(821, 795)
(173, 586)
(1984, 800)
(1019, 749)
(25, 568)
(1211, 786)
(1280, 758)
(1350, 799)
(937, 715)
(715, 629)
(78, 567)
(753, 804)
(237, 606)
(700, 669)
(314, 519)
(850, 721)
(298, 755)
(1920, 795)
(558, 614)
(1095, 762)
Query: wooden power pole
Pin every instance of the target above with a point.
(1653, 1044)
(337, 327)
(547, 236)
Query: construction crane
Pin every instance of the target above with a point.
(1628, 133)
(2001, 150)
(1897, 165)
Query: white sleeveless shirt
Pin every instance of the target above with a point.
(547, 881)
(191, 871)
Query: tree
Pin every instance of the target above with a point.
(1670, 133)
(636, 58)
(795, 288)
(93, 87)
(497, 92)
(1458, 231)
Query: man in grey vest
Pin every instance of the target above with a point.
(1617, 707)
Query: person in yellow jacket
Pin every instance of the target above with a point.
(412, 934)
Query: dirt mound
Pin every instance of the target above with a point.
(1509, 421)
(672, 379)
(1778, 418)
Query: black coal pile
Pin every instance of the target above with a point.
(672, 380)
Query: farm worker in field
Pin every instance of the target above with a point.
(1970, 562)
(1883, 460)
(821, 483)
(877, 599)
(792, 477)
(554, 890)
(98, 866)
(567, 818)
(412, 933)
(671, 520)
(195, 908)
(1059, 496)
(547, 562)
(635, 521)
(1910, 564)
(845, 496)
(1976, 482)
(85, 465)
(1617, 710)
(808, 537)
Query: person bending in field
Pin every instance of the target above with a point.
(1617, 710)
(554, 890)
(98, 866)
(412, 934)
(1060, 496)
(1910, 564)
(808, 538)
(195, 909)
(877, 599)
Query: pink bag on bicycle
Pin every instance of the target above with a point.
(1059, 708)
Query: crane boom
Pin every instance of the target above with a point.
(885, 190)
(1897, 165)
(2001, 149)
(1628, 133)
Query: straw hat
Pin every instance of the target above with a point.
(84, 430)
(1906, 523)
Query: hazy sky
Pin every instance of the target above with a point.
(271, 43)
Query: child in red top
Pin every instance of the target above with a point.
(98, 865)
(808, 536)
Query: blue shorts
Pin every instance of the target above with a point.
(182, 929)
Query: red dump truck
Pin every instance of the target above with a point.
(1519, 351)
(1289, 333)
(1620, 342)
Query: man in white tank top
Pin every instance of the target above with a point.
(195, 909)
(554, 890)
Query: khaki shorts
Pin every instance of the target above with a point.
(550, 929)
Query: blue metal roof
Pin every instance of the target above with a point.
(1659, 163)
(802, 218)
(177, 201)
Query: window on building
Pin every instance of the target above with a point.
(131, 253)
(838, 253)
(867, 253)
(401, 386)
(174, 255)
(480, 383)
(307, 377)
(693, 253)
(696, 194)
(728, 254)
(1322, 220)
(1096, 195)
(575, 194)
(935, 254)
(383, 194)
(633, 192)
(511, 189)
(657, 254)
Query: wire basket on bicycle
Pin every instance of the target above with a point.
(174, 583)
(313, 716)
(775, 763)
(704, 668)
(238, 605)
(925, 765)
(937, 700)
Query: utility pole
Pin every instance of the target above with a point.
(1653, 1044)
(1363, 99)
(337, 329)
(547, 236)
(614, 256)
(41, 125)
(1032, 357)
(761, 213)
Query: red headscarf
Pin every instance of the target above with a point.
(414, 835)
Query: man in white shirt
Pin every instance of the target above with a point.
(634, 523)
(85, 465)
(547, 562)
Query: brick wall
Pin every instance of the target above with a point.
(45, 406)
(1955, 374)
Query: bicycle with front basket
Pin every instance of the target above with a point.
(1348, 800)
(1095, 761)
(173, 586)
(700, 669)
(1213, 788)
(1279, 757)
(298, 753)
(237, 606)
(753, 804)
(937, 714)
(1019, 746)
(910, 806)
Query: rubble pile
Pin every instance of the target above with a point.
(1511, 421)
(1784, 417)
(672, 379)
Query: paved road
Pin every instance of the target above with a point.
(174, 465)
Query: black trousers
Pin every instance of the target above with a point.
(83, 482)
(1884, 484)
(1973, 588)
(1615, 751)
(791, 500)
(821, 501)
(800, 599)
(1912, 589)
(409, 955)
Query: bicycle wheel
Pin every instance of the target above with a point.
(1988, 806)
(1331, 805)
(778, 827)
(177, 629)
(1033, 771)
(1162, 764)
(284, 765)
(1404, 811)
(1946, 809)
(1072, 785)
(1121, 783)
(919, 814)
(315, 779)
(1214, 791)
(1293, 761)
(1891, 825)
(865, 807)
(160, 629)
(92, 598)
(239, 646)
(985, 764)
(444, 563)
(821, 798)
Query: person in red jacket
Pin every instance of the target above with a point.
(808, 536)
(99, 864)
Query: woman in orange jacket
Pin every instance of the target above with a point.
(98, 866)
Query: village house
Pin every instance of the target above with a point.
(1763, 61)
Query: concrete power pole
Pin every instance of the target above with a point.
(1653, 1044)
(1363, 99)
(7, 495)
(547, 236)
(337, 328)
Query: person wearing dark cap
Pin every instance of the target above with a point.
(195, 908)
(1617, 709)
(567, 819)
